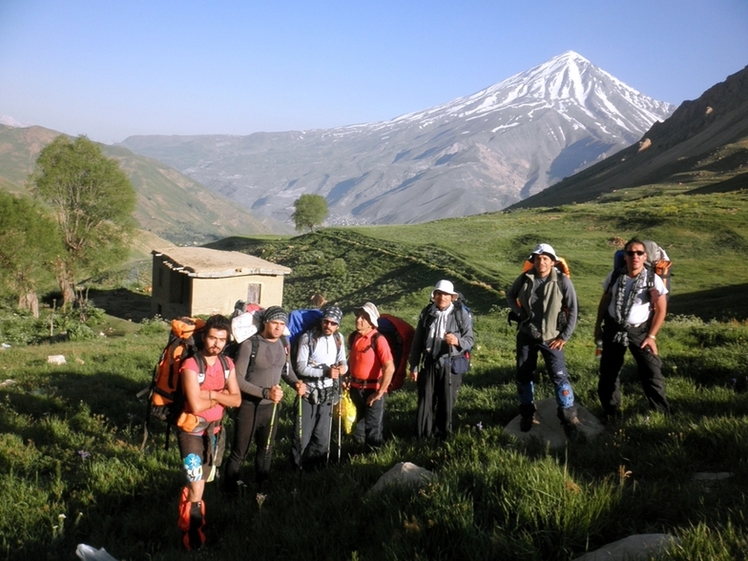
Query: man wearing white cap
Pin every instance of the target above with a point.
(371, 367)
(443, 334)
(545, 301)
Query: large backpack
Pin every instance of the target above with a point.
(399, 334)
(657, 260)
(165, 396)
(301, 321)
(462, 303)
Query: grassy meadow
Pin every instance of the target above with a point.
(72, 471)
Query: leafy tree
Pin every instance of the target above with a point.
(28, 246)
(93, 201)
(311, 211)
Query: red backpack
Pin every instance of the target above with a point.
(399, 334)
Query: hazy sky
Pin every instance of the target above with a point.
(114, 68)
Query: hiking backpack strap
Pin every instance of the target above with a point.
(252, 355)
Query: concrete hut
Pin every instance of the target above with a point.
(190, 281)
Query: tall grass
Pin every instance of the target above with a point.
(71, 468)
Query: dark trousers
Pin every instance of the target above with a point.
(649, 366)
(315, 424)
(437, 394)
(555, 362)
(253, 421)
(369, 419)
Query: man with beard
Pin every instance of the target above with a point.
(320, 361)
(209, 385)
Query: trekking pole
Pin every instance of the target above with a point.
(300, 414)
(329, 427)
(449, 396)
(272, 426)
(340, 419)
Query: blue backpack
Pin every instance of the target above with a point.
(301, 321)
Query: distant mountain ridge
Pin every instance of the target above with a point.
(169, 204)
(475, 154)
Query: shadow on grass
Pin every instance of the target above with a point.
(122, 303)
(722, 303)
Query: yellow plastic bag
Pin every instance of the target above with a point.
(347, 409)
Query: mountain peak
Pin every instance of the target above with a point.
(9, 121)
(473, 154)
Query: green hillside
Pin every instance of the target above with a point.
(169, 205)
(706, 236)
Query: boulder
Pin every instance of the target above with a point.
(549, 429)
(403, 474)
(639, 547)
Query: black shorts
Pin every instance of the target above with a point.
(200, 455)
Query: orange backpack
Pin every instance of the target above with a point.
(561, 265)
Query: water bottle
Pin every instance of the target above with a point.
(598, 349)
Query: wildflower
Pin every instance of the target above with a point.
(83, 454)
(479, 426)
(261, 499)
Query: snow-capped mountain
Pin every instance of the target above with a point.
(9, 121)
(474, 154)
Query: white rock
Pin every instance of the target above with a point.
(88, 553)
(404, 474)
(639, 547)
(549, 428)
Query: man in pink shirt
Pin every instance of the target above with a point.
(209, 386)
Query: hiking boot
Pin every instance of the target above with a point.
(526, 423)
(571, 428)
(527, 416)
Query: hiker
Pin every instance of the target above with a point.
(371, 367)
(320, 361)
(544, 300)
(444, 331)
(200, 436)
(630, 314)
(261, 361)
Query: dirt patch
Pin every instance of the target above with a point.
(122, 303)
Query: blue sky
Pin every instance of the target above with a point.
(114, 68)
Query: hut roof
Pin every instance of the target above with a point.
(204, 262)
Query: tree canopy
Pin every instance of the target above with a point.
(311, 211)
(93, 201)
(29, 244)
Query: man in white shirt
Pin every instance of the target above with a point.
(320, 361)
(630, 314)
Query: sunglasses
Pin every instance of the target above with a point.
(632, 253)
(329, 322)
